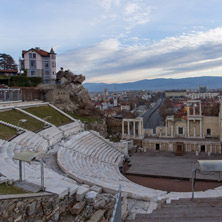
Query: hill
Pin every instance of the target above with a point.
(159, 84)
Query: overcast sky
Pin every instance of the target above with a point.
(118, 40)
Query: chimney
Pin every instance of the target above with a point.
(37, 48)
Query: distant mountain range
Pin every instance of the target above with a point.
(210, 82)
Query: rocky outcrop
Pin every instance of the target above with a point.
(73, 84)
(68, 92)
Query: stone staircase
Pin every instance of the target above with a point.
(183, 210)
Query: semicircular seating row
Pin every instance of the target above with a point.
(42, 140)
(38, 142)
(53, 181)
(88, 159)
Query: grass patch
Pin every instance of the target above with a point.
(13, 117)
(49, 114)
(10, 189)
(6, 132)
(87, 119)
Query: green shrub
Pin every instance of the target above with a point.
(20, 81)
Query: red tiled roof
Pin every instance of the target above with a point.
(3, 86)
(8, 71)
(40, 51)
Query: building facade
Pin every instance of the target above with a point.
(192, 133)
(39, 63)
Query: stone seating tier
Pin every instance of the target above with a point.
(88, 159)
(53, 181)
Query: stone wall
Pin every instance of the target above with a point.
(33, 207)
(31, 93)
(39, 207)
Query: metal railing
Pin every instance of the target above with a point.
(117, 213)
(10, 95)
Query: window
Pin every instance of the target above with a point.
(32, 63)
(47, 73)
(53, 64)
(32, 73)
(47, 64)
(32, 55)
(208, 132)
(157, 146)
(53, 56)
(180, 130)
(202, 148)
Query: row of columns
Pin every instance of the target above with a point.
(139, 122)
(172, 128)
(194, 127)
(10, 95)
(164, 146)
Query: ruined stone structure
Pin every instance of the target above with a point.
(193, 133)
(134, 128)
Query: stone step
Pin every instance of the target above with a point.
(193, 204)
(189, 210)
(143, 218)
(196, 200)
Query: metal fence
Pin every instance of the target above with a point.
(117, 214)
(10, 95)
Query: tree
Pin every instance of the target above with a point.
(7, 62)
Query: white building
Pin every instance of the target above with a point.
(39, 63)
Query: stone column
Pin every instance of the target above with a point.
(210, 148)
(134, 128)
(139, 128)
(188, 127)
(171, 130)
(200, 109)
(194, 129)
(201, 128)
(123, 128)
(166, 128)
(128, 125)
(194, 112)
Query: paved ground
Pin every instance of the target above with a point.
(166, 164)
(151, 118)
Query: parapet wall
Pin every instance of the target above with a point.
(31, 207)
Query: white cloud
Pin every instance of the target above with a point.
(184, 55)
(108, 4)
(136, 13)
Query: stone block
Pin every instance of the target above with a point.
(97, 189)
(31, 209)
(91, 195)
(97, 216)
(81, 193)
(77, 208)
